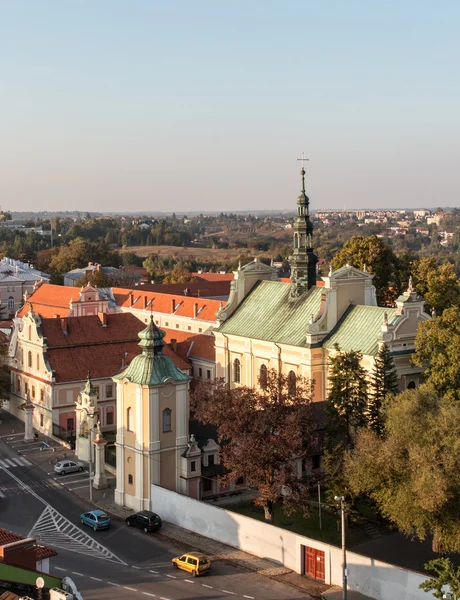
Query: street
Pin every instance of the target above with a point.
(118, 563)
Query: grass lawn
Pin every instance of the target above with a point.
(329, 532)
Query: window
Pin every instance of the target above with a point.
(193, 466)
(240, 481)
(11, 303)
(33, 391)
(207, 485)
(208, 374)
(191, 561)
(38, 362)
(26, 389)
(411, 385)
(189, 328)
(177, 325)
(200, 330)
(110, 418)
(70, 424)
(109, 391)
(292, 383)
(42, 395)
(29, 359)
(130, 479)
(200, 372)
(18, 384)
(236, 371)
(8, 289)
(166, 324)
(129, 419)
(30, 332)
(96, 389)
(210, 460)
(263, 379)
(167, 420)
(41, 420)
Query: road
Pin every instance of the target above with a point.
(121, 563)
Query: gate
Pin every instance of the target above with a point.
(314, 563)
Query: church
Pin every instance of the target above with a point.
(295, 327)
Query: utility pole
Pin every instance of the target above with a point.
(341, 499)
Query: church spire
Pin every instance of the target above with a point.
(303, 260)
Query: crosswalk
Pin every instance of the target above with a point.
(9, 463)
(11, 489)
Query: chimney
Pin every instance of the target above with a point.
(131, 297)
(187, 292)
(102, 318)
(173, 305)
(144, 302)
(56, 316)
(195, 310)
(173, 344)
(64, 326)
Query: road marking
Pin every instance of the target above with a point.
(11, 435)
(59, 569)
(189, 581)
(227, 592)
(29, 445)
(2, 495)
(7, 464)
(71, 482)
(133, 567)
(207, 586)
(75, 573)
(115, 584)
(79, 487)
(130, 589)
(23, 462)
(249, 597)
(162, 598)
(149, 594)
(171, 576)
(154, 572)
(96, 578)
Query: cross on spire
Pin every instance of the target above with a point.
(303, 159)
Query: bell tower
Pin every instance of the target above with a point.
(303, 260)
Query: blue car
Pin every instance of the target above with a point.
(97, 519)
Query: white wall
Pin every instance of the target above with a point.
(379, 580)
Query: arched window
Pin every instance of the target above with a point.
(29, 359)
(411, 385)
(236, 370)
(11, 303)
(296, 240)
(292, 383)
(263, 377)
(38, 362)
(129, 420)
(30, 332)
(167, 420)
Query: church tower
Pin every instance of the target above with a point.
(303, 260)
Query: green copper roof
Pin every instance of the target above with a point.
(269, 313)
(152, 367)
(360, 329)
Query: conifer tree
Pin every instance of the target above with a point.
(384, 381)
(347, 398)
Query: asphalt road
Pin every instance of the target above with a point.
(119, 563)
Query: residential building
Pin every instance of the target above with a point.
(71, 278)
(16, 279)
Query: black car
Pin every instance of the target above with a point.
(146, 520)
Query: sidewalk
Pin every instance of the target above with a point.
(10, 430)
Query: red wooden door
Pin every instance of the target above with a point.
(314, 563)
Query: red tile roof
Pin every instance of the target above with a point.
(49, 300)
(42, 552)
(192, 345)
(198, 289)
(214, 276)
(184, 305)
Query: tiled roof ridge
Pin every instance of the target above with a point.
(87, 344)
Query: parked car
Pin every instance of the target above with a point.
(67, 466)
(97, 519)
(146, 520)
(195, 563)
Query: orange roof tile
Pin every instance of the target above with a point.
(192, 345)
(49, 300)
(184, 305)
(214, 276)
(42, 552)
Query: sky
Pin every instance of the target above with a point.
(138, 105)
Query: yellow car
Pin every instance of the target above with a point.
(195, 563)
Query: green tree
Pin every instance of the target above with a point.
(437, 345)
(437, 283)
(179, 274)
(383, 381)
(347, 394)
(260, 431)
(379, 259)
(96, 278)
(447, 575)
(413, 472)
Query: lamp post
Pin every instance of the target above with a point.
(91, 416)
(341, 499)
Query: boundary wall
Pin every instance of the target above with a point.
(373, 578)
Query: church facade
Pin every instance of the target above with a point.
(295, 328)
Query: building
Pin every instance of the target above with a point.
(16, 279)
(71, 278)
(24, 552)
(51, 355)
(152, 425)
(295, 328)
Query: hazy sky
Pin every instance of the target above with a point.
(205, 105)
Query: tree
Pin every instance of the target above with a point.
(95, 278)
(437, 346)
(261, 432)
(378, 258)
(447, 575)
(438, 284)
(413, 471)
(347, 395)
(384, 381)
(179, 274)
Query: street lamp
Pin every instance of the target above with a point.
(341, 499)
